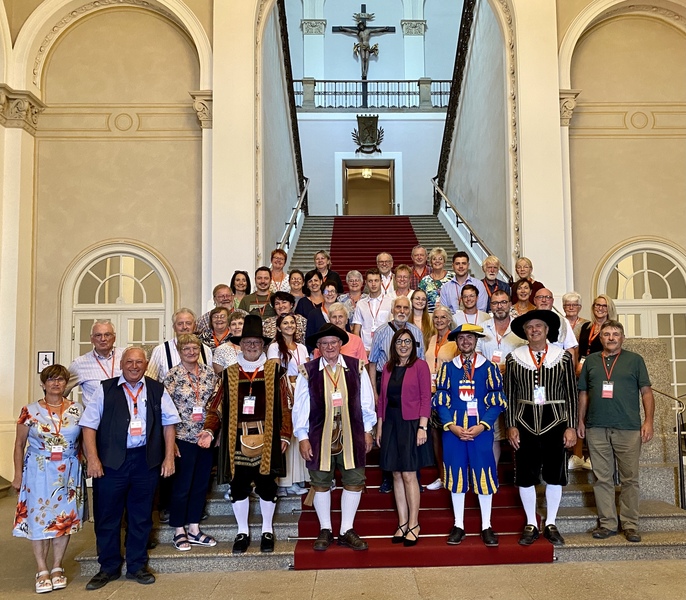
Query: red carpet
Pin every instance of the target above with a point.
(356, 241)
(376, 522)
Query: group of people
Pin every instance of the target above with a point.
(280, 387)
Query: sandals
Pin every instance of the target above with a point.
(43, 583)
(181, 543)
(411, 531)
(201, 539)
(58, 581)
(399, 539)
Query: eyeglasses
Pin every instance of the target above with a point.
(403, 342)
(57, 378)
(543, 298)
(103, 336)
(600, 306)
(329, 292)
(328, 344)
(190, 349)
(252, 342)
(469, 296)
(500, 303)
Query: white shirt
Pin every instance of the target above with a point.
(296, 357)
(158, 367)
(371, 313)
(477, 319)
(301, 403)
(90, 369)
(506, 344)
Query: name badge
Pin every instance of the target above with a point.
(136, 428)
(249, 405)
(582, 360)
(56, 452)
(337, 399)
(497, 357)
(197, 414)
(539, 395)
(472, 409)
(607, 389)
(434, 376)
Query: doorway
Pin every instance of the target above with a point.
(368, 188)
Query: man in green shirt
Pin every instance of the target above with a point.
(610, 385)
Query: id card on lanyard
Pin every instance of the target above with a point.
(136, 424)
(608, 384)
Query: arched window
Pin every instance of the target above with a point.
(120, 282)
(647, 281)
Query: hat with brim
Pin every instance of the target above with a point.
(327, 330)
(282, 296)
(252, 328)
(547, 316)
(475, 330)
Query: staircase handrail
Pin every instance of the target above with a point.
(285, 241)
(474, 239)
(679, 410)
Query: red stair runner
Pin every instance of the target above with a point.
(355, 242)
(377, 517)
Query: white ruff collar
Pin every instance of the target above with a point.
(480, 360)
(251, 366)
(523, 358)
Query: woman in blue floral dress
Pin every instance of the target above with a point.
(48, 476)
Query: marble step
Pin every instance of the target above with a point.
(573, 495)
(217, 505)
(166, 559)
(655, 516)
(654, 545)
(224, 528)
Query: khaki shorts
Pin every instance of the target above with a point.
(349, 477)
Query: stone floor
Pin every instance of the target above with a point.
(664, 579)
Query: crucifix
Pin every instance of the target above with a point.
(363, 33)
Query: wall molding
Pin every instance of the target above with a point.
(19, 109)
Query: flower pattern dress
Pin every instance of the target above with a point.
(52, 495)
(432, 287)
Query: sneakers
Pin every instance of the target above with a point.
(436, 485)
(529, 535)
(386, 486)
(296, 490)
(352, 540)
(551, 533)
(576, 464)
(281, 492)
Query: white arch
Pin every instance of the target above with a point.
(5, 42)
(590, 15)
(53, 17)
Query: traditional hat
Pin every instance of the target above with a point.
(282, 296)
(252, 328)
(475, 330)
(547, 316)
(327, 330)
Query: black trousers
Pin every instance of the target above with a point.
(191, 480)
(131, 487)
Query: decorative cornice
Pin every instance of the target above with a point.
(202, 104)
(414, 27)
(645, 9)
(73, 15)
(313, 26)
(19, 109)
(567, 105)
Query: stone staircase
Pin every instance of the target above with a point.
(316, 235)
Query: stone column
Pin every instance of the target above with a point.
(413, 42)
(313, 47)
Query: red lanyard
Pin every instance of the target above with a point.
(97, 360)
(250, 377)
(257, 301)
(476, 317)
(538, 363)
(418, 276)
(376, 314)
(134, 399)
(609, 373)
(468, 374)
(333, 381)
(385, 287)
(51, 414)
(439, 345)
(593, 334)
(296, 355)
(498, 337)
(195, 386)
(218, 342)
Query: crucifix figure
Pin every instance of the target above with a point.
(363, 33)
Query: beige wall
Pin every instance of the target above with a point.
(567, 11)
(477, 176)
(17, 13)
(627, 139)
(118, 153)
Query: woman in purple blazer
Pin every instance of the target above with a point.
(403, 410)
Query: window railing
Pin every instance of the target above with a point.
(422, 94)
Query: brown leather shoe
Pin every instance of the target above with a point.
(323, 541)
(632, 535)
(352, 540)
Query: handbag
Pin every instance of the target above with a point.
(252, 443)
(337, 436)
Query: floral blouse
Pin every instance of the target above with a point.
(432, 287)
(188, 390)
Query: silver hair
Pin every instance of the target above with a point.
(102, 322)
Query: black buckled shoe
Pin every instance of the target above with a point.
(101, 579)
(529, 535)
(552, 534)
(241, 543)
(267, 542)
(142, 576)
(489, 537)
(456, 536)
(323, 541)
(352, 540)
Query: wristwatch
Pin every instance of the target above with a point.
(424, 427)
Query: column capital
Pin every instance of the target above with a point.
(567, 105)
(413, 26)
(19, 109)
(202, 104)
(313, 26)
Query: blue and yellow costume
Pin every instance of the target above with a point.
(468, 395)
